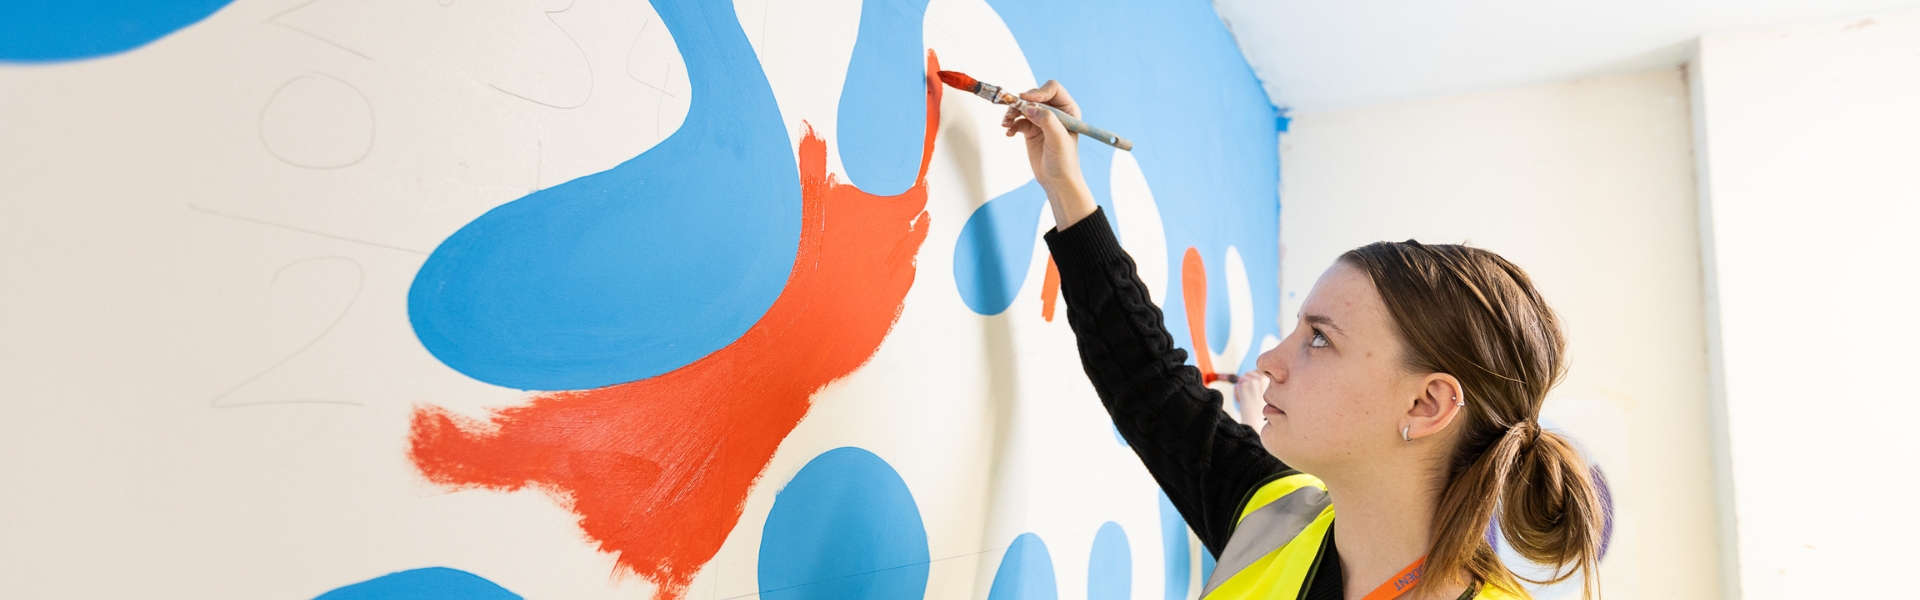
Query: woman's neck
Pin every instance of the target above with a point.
(1384, 523)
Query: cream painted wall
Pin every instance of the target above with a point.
(1810, 204)
(1590, 187)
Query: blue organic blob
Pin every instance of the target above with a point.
(58, 30)
(845, 528)
(632, 272)
(1173, 546)
(432, 583)
(995, 248)
(1025, 573)
(1110, 567)
(880, 136)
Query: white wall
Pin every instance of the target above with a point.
(1590, 187)
(1809, 206)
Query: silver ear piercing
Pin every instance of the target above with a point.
(1403, 433)
(1458, 402)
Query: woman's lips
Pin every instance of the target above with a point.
(1269, 410)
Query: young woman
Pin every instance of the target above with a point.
(1405, 401)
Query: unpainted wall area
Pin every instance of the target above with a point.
(1810, 204)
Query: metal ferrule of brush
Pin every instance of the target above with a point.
(987, 90)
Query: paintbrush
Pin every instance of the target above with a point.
(960, 81)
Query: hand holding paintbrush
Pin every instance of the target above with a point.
(1051, 149)
(993, 93)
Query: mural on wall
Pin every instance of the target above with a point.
(643, 280)
(621, 292)
(747, 357)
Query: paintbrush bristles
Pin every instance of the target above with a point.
(959, 81)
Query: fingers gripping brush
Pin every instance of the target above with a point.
(993, 93)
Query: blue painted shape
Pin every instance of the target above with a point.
(1110, 567)
(638, 270)
(995, 249)
(880, 137)
(1173, 548)
(62, 30)
(845, 528)
(1215, 176)
(1206, 565)
(432, 583)
(1025, 573)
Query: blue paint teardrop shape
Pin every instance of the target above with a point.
(995, 249)
(1110, 566)
(431, 583)
(1173, 547)
(1025, 573)
(880, 137)
(845, 528)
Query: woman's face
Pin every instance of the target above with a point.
(1338, 383)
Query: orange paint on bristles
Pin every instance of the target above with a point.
(959, 81)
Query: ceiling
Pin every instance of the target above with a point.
(1324, 55)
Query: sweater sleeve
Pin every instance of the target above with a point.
(1205, 461)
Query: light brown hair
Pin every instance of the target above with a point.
(1469, 313)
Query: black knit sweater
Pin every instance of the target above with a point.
(1208, 463)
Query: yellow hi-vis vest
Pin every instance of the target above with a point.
(1274, 551)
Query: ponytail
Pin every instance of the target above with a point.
(1549, 512)
(1470, 313)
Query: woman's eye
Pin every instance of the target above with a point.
(1319, 340)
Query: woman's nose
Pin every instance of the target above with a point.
(1272, 365)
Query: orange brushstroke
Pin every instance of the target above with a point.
(1049, 290)
(658, 470)
(1193, 288)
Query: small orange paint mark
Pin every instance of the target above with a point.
(1049, 290)
(1193, 286)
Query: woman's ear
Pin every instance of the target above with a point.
(1434, 408)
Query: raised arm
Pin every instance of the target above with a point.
(1205, 460)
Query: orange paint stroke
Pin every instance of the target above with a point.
(1193, 288)
(1049, 290)
(658, 470)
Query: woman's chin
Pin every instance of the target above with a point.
(1270, 439)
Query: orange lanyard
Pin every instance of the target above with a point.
(1393, 588)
